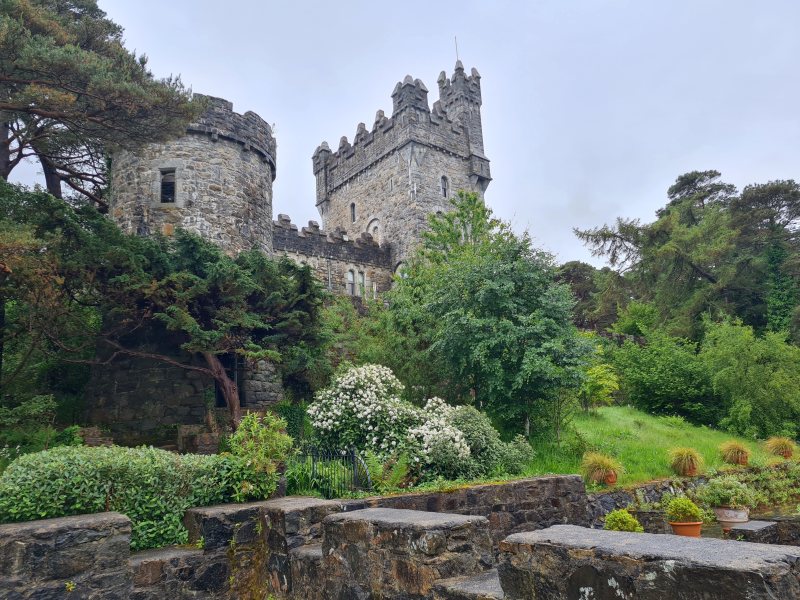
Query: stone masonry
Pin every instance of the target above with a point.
(374, 197)
(407, 166)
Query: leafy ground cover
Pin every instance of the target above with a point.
(641, 442)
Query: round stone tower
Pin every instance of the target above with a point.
(216, 181)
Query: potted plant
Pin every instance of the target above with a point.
(734, 453)
(684, 516)
(781, 446)
(730, 498)
(685, 461)
(622, 520)
(600, 468)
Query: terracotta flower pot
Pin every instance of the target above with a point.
(730, 517)
(687, 529)
(787, 454)
(611, 478)
(691, 472)
(743, 460)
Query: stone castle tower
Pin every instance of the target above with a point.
(216, 181)
(406, 167)
(374, 197)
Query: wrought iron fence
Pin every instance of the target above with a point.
(330, 473)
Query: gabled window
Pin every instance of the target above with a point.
(445, 187)
(168, 186)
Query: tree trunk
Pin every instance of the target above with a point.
(51, 177)
(5, 150)
(227, 386)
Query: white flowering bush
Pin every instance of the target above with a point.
(363, 409)
(435, 445)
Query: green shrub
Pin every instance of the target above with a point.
(683, 510)
(727, 491)
(260, 442)
(152, 487)
(622, 520)
(516, 455)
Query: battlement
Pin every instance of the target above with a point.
(459, 87)
(251, 131)
(312, 241)
(412, 121)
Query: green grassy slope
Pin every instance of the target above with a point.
(638, 440)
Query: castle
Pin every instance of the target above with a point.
(373, 195)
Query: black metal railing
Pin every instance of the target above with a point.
(329, 473)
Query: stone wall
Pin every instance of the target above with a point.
(574, 562)
(224, 167)
(330, 255)
(311, 549)
(392, 174)
(510, 507)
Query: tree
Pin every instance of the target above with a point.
(756, 379)
(711, 252)
(70, 92)
(496, 318)
(184, 291)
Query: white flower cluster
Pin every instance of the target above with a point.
(435, 438)
(362, 408)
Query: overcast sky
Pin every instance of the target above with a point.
(591, 108)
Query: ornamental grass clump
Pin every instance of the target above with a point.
(599, 468)
(622, 520)
(685, 461)
(781, 446)
(734, 453)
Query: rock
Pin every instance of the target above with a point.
(485, 586)
(566, 561)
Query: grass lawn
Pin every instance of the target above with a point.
(639, 441)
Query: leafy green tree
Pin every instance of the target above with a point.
(494, 314)
(183, 291)
(712, 252)
(665, 376)
(600, 382)
(70, 92)
(757, 379)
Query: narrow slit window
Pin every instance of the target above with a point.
(445, 187)
(168, 186)
(353, 212)
(362, 284)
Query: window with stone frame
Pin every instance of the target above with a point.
(445, 187)
(168, 188)
(351, 283)
(353, 212)
(362, 284)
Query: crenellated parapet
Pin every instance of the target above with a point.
(440, 128)
(251, 131)
(312, 241)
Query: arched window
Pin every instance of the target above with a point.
(445, 187)
(351, 283)
(374, 229)
(353, 212)
(362, 284)
(167, 186)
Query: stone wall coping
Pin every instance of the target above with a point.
(47, 527)
(703, 552)
(292, 503)
(753, 526)
(403, 518)
(162, 554)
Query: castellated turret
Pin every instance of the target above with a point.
(406, 166)
(216, 181)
